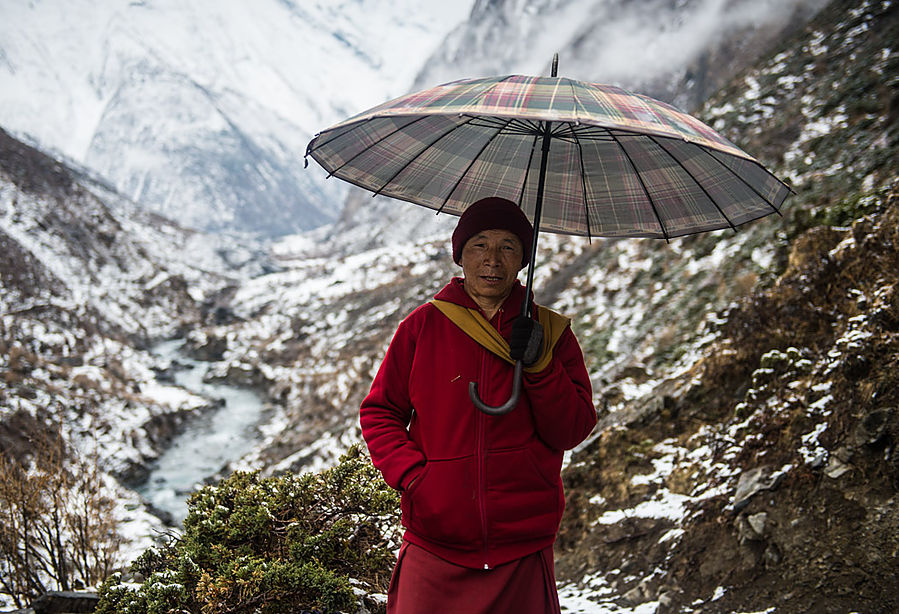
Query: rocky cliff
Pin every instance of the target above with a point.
(763, 475)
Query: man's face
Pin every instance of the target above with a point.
(490, 262)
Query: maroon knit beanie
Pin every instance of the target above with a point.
(493, 213)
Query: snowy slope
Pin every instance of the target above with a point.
(86, 280)
(202, 110)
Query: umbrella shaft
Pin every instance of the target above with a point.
(538, 212)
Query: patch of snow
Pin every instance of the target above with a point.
(664, 505)
(594, 595)
(811, 450)
(763, 256)
(814, 128)
(753, 89)
(816, 46)
(672, 535)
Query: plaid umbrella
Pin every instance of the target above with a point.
(579, 158)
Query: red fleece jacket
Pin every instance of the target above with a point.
(477, 490)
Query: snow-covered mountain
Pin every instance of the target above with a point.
(678, 51)
(202, 110)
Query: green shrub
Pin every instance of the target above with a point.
(312, 542)
(851, 208)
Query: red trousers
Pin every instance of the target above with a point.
(423, 583)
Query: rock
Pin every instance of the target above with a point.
(758, 522)
(753, 481)
(819, 460)
(772, 555)
(872, 428)
(666, 600)
(835, 468)
(212, 349)
(631, 528)
(751, 528)
(165, 374)
(646, 590)
(66, 602)
(838, 463)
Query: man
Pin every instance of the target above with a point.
(481, 494)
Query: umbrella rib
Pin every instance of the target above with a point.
(746, 183)
(535, 126)
(580, 151)
(527, 170)
(585, 133)
(577, 101)
(511, 126)
(470, 164)
(584, 184)
(642, 185)
(415, 157)
(594, 132)
(556, 128)
(696, 181)
(334, 137)
(380, 140)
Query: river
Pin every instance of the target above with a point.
(208, 442)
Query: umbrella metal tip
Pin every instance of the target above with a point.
(555, 68)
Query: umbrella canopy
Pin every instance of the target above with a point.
(619, 164)
(578, 158)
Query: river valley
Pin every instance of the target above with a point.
(208, 441)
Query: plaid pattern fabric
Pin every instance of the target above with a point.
(620, 164)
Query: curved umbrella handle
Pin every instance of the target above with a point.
(506, 407)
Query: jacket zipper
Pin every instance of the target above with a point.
(482, 451)
(482, 463)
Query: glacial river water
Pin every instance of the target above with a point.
(208, 442)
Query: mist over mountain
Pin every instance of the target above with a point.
(679, 52)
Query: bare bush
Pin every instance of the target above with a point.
(57, 528)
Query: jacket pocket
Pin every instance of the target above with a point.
(442, 504)
(524, 494)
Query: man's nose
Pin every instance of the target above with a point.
(492, 255)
